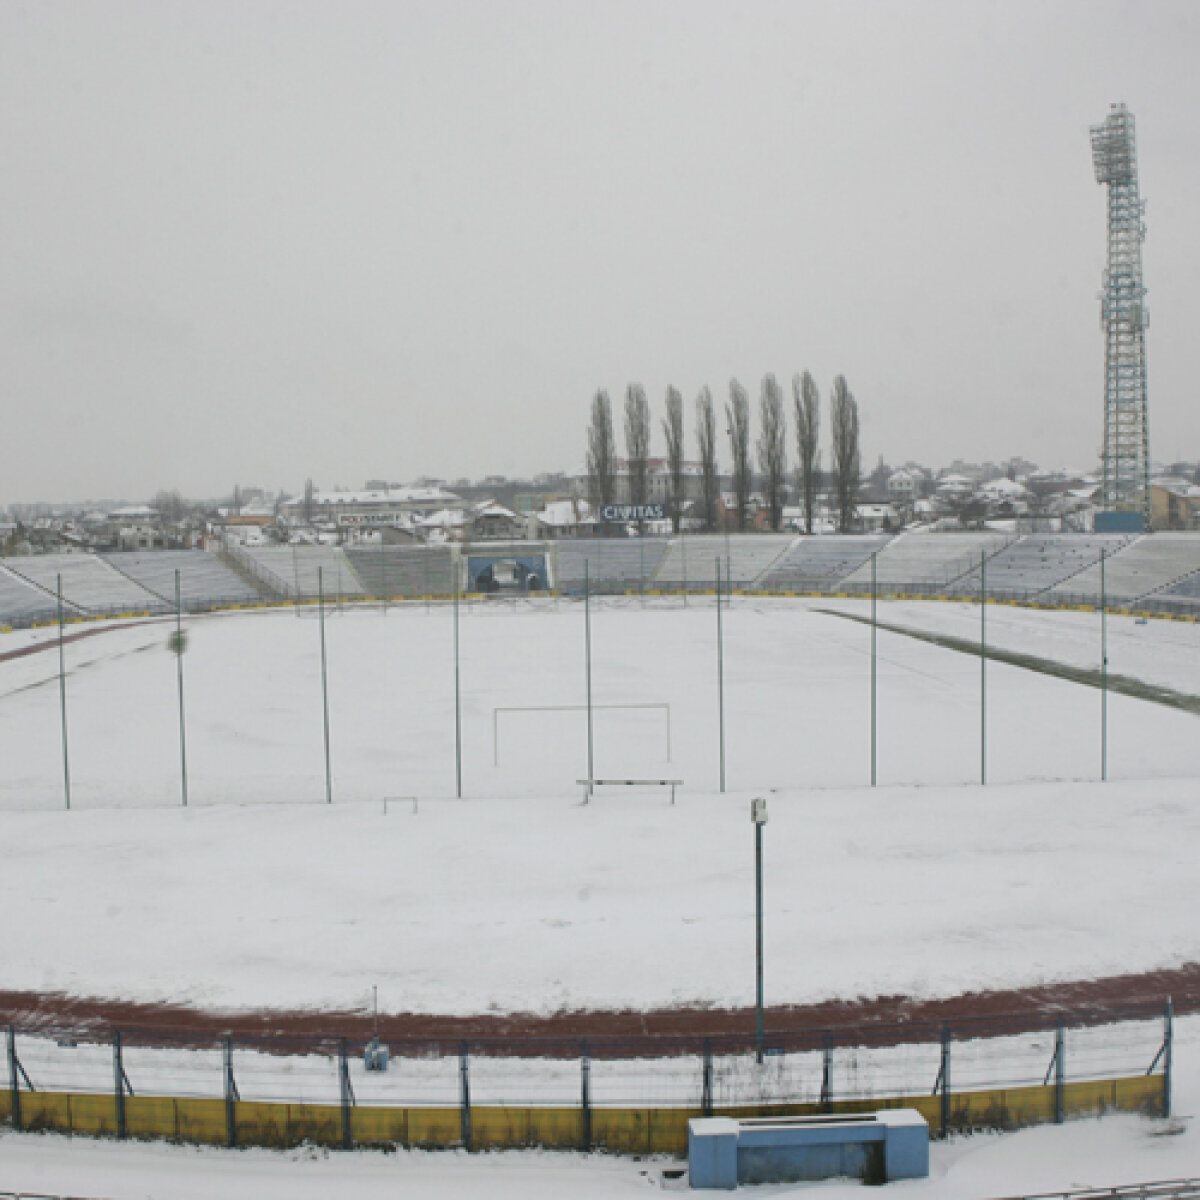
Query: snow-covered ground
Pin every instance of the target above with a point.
(1085, 1153)
(796, 690)
(1155, 649)
(518, 897)
(543, 904)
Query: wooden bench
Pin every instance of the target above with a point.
(589, 784)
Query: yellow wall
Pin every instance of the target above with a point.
(621, 1130)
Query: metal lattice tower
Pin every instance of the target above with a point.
(1123, 319)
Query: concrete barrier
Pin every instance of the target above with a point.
(876, 1147)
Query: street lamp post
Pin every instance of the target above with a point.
(758, 814)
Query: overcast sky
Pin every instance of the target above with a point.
(254, 242)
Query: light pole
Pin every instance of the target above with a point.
(758, 814)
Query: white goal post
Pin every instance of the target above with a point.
(661, 706)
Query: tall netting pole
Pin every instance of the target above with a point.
(179, 647)
(62, 697)
(874, 634)
(587, 640)
(983, 666)
(720, 677)
(457, 700)
(324, 682)
(1103, 675)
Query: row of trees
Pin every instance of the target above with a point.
(771, 447)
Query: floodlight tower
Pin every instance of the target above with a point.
(1123, 319)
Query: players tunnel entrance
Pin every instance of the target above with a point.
(507, 573)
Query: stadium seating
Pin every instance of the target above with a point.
(1145, 566)
(89, 584)
(923, 563)
(204, 581)
(292, 570)
(21, 602)
(1033, 564)
(822, 564)
(614, 564)
(403, 570)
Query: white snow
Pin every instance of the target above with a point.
(518, 897)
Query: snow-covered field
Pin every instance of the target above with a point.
(797, 704)
(518, 897)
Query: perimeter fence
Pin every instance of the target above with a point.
(623, 1094)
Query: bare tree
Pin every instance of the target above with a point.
(737, 416)
(637, 441)
(308, 501)
(673, 432)
(602, 452)
(808, 428)
(706, 436)
(847, 465)
(772, 448)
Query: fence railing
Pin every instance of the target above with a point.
(624, 1094)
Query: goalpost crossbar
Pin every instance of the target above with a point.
(660, 706)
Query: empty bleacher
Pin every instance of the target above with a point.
(1182, 596)
(1148, 564)
(20, 602)
(822, 564)
(89, 584)
(403, 570)
(613, 564)
(204, 581)
(925, 563)
(1036, 562)
(292, 571)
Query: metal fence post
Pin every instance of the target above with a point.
(1060, 1069)
(720, 679)
(183, 787)
(119, 1084)
(706, 1081)
(874, 671)
(945, 1077)
(464, 1076)
(62, 698)
(14, 1081)
(983, 666)
(585, 1095)
(231, 1096)
(827, 1075)
(1168, 1044)
(587, 637)
(347, 1095)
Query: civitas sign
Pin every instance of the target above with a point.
(365, 519)
(632, 512)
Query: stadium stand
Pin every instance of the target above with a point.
(822, 564)
(403, 570)
(692, 561)
(204, 581)
(292, 570)
(921, 563)
(21, 603)
(1148, 564)
(614, 564)
(1183, 596)
(89, 584)
(1036, 562)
